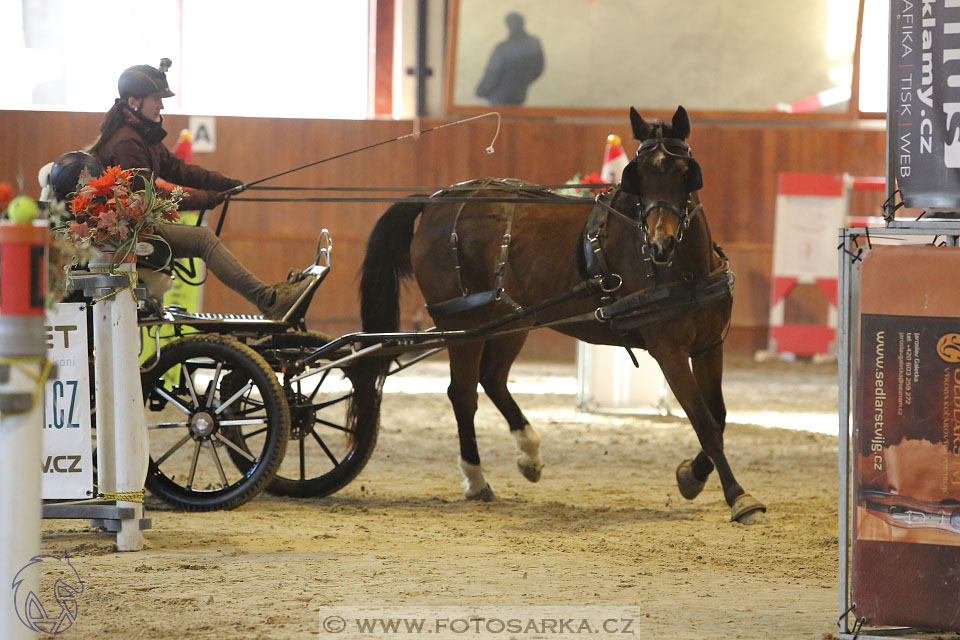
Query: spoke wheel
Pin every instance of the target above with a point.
(323, 454)
(205, 394)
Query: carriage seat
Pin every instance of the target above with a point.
(156, 273)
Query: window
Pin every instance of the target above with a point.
(874, 37)
(286, 58)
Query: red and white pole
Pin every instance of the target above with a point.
(23, 368)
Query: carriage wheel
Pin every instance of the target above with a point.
(323, 454)
(205, 393)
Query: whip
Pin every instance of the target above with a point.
(415, 134)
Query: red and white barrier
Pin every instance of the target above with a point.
(811, 207)
(614, 160)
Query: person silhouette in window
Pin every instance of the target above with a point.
(514, 64)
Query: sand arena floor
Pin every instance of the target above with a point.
(604, 530)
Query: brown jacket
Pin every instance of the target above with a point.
(138, 144)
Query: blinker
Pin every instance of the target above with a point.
(670, 146)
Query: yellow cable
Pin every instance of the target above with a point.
(41, 378)
(125, 496)
(131, 280)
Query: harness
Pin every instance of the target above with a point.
(652, 304)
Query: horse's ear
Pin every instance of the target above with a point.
(641, 130)
(630, 179)
(694, 176)
(681, 123)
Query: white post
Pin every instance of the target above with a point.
(21, 436)
(22, 365)
(122, 451)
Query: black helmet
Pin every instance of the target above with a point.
(143, 80)
(67, 169)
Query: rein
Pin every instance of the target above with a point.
(464, 188)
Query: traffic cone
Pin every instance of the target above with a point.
(614, 160)
(184, 147)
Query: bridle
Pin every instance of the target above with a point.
(677, 148)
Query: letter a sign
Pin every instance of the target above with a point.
(203, 130)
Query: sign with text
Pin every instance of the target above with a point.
(203, 133)
(67, 459)
(924, 80)
(906, 439)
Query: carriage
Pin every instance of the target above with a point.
(238, 404)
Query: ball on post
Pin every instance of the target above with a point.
(22, 210)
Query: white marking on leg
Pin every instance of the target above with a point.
(529, 460)
(473, 481)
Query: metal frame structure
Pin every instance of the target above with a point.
(852, 241)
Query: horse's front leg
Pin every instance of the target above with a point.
(674, 363)
(498, 357)
(708, 370)
(464, 375)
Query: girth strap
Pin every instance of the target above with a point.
(467, 300)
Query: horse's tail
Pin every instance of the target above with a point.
(386, 263)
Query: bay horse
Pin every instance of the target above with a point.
(638, 268)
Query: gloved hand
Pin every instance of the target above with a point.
(214, 198)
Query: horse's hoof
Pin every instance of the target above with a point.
(484, 495)
(531, 470)
(747, 510)
(689, 486)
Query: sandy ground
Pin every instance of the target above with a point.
(605, 530)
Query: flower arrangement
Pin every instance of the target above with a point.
(583, 192)
(105, 214)
(108, 214)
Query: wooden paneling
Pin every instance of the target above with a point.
(740, 164)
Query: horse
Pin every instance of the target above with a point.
(636, 268)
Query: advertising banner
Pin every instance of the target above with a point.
(67, 459)
(923, 122)
(906, 439)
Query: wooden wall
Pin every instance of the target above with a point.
(740, 165)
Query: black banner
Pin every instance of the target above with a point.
(924, 114)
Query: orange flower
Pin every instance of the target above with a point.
(6, 195)
(109, 179)
(79, 204)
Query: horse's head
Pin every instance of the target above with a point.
(662, 175)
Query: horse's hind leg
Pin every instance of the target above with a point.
(708, 370)
(498, 357)
(464, 375)
(744, 508)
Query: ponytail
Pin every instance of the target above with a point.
(112, 122)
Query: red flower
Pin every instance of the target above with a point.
(6, 195)
(593, 178)
(79, 230)
(107, 218)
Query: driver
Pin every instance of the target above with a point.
(131, 136)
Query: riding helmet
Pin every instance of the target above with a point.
(143, 80)
(67, 169)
